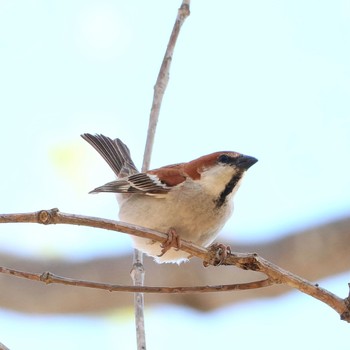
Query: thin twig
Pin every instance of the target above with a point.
(137, 274)
(50, 278)
(138, 271)
(162, 82)
(246, 261)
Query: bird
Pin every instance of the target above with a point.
(190, 200)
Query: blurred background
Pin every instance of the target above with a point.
(269, 79)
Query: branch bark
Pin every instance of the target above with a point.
(245, 261)
(50, 278)
(138, 271)
(162, 82)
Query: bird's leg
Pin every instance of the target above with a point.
(220, 253)
(173, 241)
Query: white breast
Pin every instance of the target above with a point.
(190, 210)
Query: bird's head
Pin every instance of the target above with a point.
(220, 173)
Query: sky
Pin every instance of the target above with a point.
(269, 79)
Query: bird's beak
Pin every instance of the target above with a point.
(245, 162)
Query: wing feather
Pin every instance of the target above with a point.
(140, 183)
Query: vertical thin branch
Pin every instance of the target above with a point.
(162, 82)
(138, 277)
(138, 272)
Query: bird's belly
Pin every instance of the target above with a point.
(197, 221)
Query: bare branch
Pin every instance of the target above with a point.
(244, 261)
(138, 271)
(50, 278)
(162, 82)
(137, 274)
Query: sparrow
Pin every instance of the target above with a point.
(191, 201)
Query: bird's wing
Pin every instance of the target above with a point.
(140, 183)
(155, 182)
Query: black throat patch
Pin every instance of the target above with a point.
(227, 190)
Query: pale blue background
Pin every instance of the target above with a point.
(270, 79)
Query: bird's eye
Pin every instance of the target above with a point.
(224, 158)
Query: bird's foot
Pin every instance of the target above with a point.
(219, 254)
(173, 241)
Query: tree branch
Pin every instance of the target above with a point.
(162, 82)
(246, 261)
(138, 271)
(50, 278)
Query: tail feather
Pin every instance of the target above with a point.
(114, 152)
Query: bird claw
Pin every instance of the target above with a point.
(173, 241)
(219, 254)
